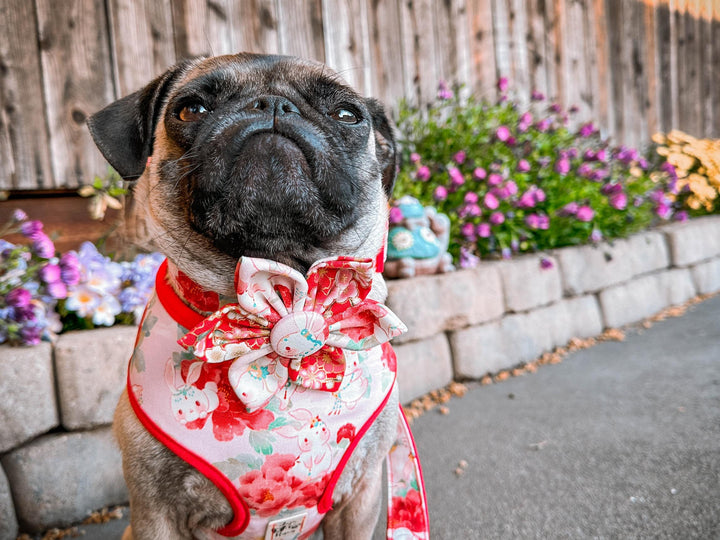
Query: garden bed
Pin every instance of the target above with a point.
(59, 460)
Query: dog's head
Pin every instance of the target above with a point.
(264, 156)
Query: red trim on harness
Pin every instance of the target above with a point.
(180, 312)
(325, 502)
(420, 479)
(241, 515)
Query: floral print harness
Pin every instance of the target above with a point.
(268, 397)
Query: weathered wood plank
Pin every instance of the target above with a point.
(602, 82)
(482, 48)
(634, 77)
(653, 103)
(501, 36)
(254, 26)
(707, 64)
(202, 27)
(537, 57)
(577, 86)
(615, 47)
(77, 81)
(665, 46)
(347, 47)
(553, 48)
(714, 71)
(451, 41)
(300, 29)
(24, 148)
(418, 38)
(142, 40)
(688, 56)
(386, 51)
(517, 20)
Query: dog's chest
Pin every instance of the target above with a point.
(282, 460)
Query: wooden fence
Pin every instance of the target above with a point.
(635, 66)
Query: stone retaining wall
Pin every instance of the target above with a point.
(59, 462)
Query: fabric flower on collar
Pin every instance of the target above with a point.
(286, 327)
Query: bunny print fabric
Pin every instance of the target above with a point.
(280, 454)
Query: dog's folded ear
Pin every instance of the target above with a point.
(385, 145)
(124, 130)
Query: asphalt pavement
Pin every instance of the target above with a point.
(621, 440)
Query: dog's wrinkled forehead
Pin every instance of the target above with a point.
(248, 74)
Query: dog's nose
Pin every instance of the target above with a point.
(275, 105)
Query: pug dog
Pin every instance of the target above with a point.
(258, 156)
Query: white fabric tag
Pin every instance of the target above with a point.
(288, 528)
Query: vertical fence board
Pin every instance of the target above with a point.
(553, 47)
(301, 31)
(346, 41)
(142, 39)
(24, 148)
(615, 18)
(482, 47)
(386, 51)
(254, 26)
(714, 71)
(537, 57)
(634, 76)
(202, 27)
(418, 40)
(707, 64)
(501, 36)
(451, 41)
(517, 20)
(577, 86)
(74, 51)
(603, 108)
(663, 40)
(652, 111)
(690, 96)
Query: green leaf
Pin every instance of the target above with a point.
(261, 443)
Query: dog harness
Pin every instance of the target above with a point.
(268, 397)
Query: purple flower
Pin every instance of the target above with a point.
(444, 93)
(543, 125)
(497, 218)
(18, 298)
(502, 133)
(589, 155)
(468, 231)
(491, 201)
(57, 290)
(456, 177)
(570, 209)
(585, 213)
(585, 170)
(596, 236)
(669, 168)
(587, 129)
(395, 215)
(502, 84)
(19, 215)
(460, 157)
(681, 216)
(511, 187)
(483, 230)
(50, 273)
(618, 201)
(663, 211)
(31, 228)
(471, 197)
(601, 155)
(414, 157)
(506, 253)
(70, 268)
(495, 179)
(538, 194)
(43, 246)
(545, 263)
(501, 193)
(479, 173)
(555, 108)
(527, 200)
(543, 222)
(599, 175)
(423, 173)
(532, 221)
(31, 334)
(523, 166)
(562, 166)
(468, 259)
(440, 193)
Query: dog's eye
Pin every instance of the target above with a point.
(344, 116)
(192, 112)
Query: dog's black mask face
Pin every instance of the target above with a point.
(263, 155)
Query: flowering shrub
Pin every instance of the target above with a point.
(42, 293)
(694, 166)
(516, 180)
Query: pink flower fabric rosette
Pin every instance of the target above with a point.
(286, 327)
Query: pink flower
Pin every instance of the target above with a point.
(440, 193)
(502, 84)
(456, 177)
(618, 200)
(523, 166)
(395, 215)
(19, 215)
(502, 133)
(18, 298)
(527, 200)
(495, 179)
(50, 273)
(483, 230)
(423, 173)
(663, 211)
(511, 187)
(532, 221)
(596, 236)
(468, 231)
(444, 93)
(57, 290)
(562, 166)
(31, 228)
(543, 222)
(543, 125)
(414, 157)
(587, 129)
(471, 197)
(546, 263)
(539, 195)
(491, 201)
(460, 157)
(570, 209)
(681, 216)
(585, 213)
(479, 173)
(601, 155)
(497, 218)
(43, 246)
(537, 96)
